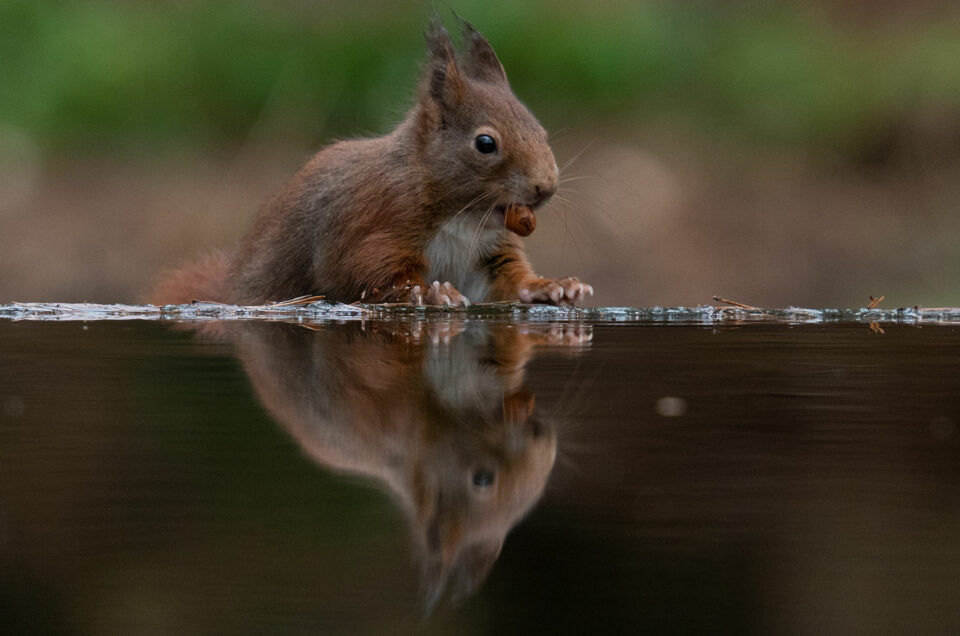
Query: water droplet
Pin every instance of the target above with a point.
(670, 406)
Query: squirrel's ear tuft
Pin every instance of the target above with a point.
(481, 62)
(443, 82)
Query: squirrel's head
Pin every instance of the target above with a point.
(486, 146)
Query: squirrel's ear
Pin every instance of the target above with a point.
(481, 62)
(443, 82)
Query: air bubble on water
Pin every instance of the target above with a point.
(671, 406)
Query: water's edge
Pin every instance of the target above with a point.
(325, 312)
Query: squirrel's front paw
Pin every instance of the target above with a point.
(445, 294)
(567, 290)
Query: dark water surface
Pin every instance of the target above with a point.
(478, 478)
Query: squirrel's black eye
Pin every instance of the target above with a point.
(483, 478)
(485, 144)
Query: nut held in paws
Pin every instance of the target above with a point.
(520, 219)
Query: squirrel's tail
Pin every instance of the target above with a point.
(205, 279)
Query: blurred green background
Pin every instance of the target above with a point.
(803, 153)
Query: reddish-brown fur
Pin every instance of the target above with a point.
(202, 279)
(356, 221)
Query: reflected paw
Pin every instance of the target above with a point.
(567, 335)
(445, 295)
(565, 291)
(576, 335)
(441, 333)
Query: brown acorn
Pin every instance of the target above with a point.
(520, 220)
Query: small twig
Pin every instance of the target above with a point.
(733, 302)
(875, 302)
(299, 300)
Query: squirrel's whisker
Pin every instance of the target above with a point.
(601, 206)
(475, 242)
(473, 201)
(579, 177)
(576, 156)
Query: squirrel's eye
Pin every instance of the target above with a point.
(485, 144)
(483, 478)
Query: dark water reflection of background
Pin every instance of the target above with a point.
(272, 478)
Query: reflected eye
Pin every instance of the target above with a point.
(485, 144)
(483, 478)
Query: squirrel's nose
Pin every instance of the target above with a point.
(543, 191)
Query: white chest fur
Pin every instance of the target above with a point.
(455, 254)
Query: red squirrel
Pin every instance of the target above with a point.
(434, 200)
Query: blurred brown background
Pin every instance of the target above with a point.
(775, 153)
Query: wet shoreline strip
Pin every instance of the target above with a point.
(321, 311)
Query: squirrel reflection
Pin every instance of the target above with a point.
(436, 412)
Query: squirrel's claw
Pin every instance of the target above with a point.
(566, 291)
(416, 295)
(445, 295)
